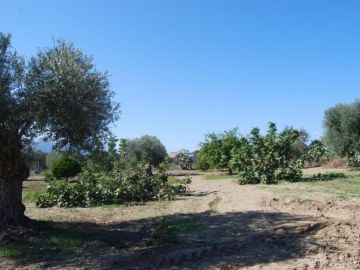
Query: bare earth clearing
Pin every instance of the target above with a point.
(220, 225)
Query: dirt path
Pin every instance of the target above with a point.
(219, 225)
(271, 232)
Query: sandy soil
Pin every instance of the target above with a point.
(227, 226)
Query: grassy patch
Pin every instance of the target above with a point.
(32, 189)
(324, 177)
(186, 224)
(172, 180)
(49, 240)
(10, 250)
(30, 196)
(340, 185)
(166, 232)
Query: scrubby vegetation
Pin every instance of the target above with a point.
(184, 161)
(261, 158)
(126, 182)
(264, 159)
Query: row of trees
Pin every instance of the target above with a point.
(146, 151)
(260, 158)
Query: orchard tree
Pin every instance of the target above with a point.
(216, 150)
(266, 158)
(316, 152)
(60, 95)
(300, 146)
(147, 150)
(342, 128)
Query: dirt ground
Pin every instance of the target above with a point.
(219, 225)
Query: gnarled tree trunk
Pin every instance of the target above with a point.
(13, 171)
(11, 208)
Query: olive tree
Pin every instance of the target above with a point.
(342, 128)
(147, 150)
(59, 95)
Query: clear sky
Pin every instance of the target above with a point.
(182, 68)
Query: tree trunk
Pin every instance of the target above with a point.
(13, 171)
(11, 207)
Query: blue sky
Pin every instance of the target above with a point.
(184, 68)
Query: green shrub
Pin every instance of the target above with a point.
(216, 150)
(317, 152)
(66, 167)
(96, 188)
(184, 161)
(354, 160)
(265, 159)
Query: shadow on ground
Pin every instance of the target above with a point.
(186, 240)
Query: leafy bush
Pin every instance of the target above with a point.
(354, 160)
(184, 161)
(264, 159)
(317, 152)
(95, 188)
(216, 150)
(66, 167)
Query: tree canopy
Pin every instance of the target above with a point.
(58, 94)
(216, 150)
(147, 149)
(342, 128)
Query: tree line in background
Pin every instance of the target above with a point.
(282, 155)
(260, 158)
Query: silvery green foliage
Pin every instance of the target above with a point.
(71, 101)
(342, 129)
(147, 150)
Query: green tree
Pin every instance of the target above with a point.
(66, 167)
(300, 146)
(58, 94)
(216, 150)
(147, 150)
(342, 128)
